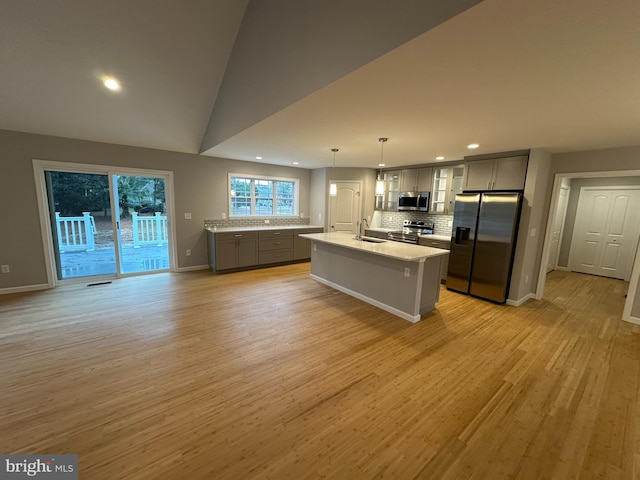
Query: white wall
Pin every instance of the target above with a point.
(530, 240)
(625, 160)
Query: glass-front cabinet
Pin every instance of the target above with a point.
(447, 181)
(457, 177)
(440, 189)
(387, 190)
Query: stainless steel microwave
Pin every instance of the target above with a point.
(413, 201)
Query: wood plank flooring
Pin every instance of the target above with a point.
(270, 375)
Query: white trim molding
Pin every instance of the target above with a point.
(25, 288)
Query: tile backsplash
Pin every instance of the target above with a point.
(441, 223)
(256, 222)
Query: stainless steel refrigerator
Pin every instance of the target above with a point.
(483, 239)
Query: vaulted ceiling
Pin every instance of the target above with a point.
(289, 80)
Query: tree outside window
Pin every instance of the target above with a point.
(253, 196)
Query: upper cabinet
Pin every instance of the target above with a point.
(447, 181)
(507, 173)
(387, 195)
(416, 179)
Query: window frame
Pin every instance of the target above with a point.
(253, 197)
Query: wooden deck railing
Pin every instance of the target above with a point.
(75, 233)
(149, 230)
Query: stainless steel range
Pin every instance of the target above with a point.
(411, 231)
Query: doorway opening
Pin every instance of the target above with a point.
(599, 249)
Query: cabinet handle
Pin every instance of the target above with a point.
(276, 233)
(277, 243)
(489, 185)
(238, 236)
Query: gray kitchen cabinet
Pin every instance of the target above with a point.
(388, 199)
(229, 250)
(302, 246)
(376, 234)
(275, 246)
(444, 262)
(416, 180)
(447, 181)
(507, 173)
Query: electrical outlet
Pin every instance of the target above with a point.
(266, 221)
(223, 215)
(407, 271)
(526, 279)
(188, 253)
(315, 247)
(6, 269)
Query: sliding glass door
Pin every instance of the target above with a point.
(143, 236)
(107, 224)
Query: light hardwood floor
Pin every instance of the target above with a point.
(268, 374)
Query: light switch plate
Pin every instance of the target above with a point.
(187, 216)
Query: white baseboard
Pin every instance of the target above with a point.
(371, 301)
(25, 288)
(563, 269)
(192, 269)
(634, 320)
(517, 303)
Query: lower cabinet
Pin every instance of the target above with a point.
(376, 234)
(233, 250)
(444, 265)
(302, 246)
(275, 246)
(244, 249)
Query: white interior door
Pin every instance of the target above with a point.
(606, 232)
(344, 207)
(558, 227)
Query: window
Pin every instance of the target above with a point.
(262, 196)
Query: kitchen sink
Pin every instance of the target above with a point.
(372, 240)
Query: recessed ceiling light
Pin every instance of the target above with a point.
(295, 163)
(258, 157)
(111, 83)
(472, 146)
(440, 158)
(381, 164)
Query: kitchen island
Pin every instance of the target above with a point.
(400, 278)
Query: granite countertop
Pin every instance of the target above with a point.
(443, 238)
(266, 227)
(387, 248)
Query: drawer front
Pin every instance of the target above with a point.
(235, 235)
(435, 244)
(276, 234)
(275, 244)
(275, 256)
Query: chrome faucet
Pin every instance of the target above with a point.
(359, 234)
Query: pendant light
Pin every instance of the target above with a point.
(333, 188)
(380, 179)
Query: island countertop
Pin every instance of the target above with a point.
(397, 250)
